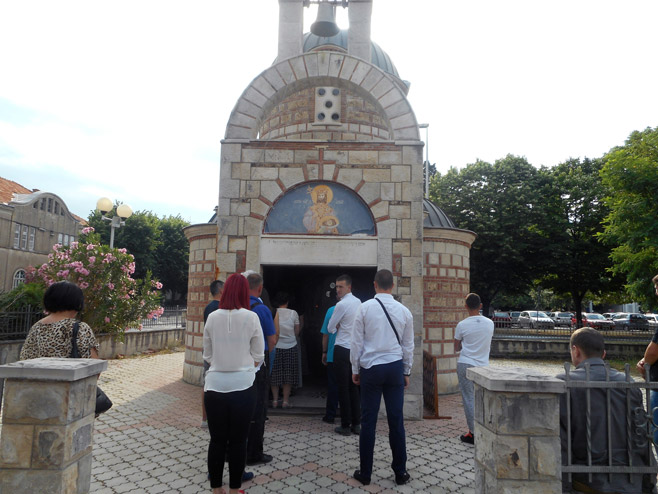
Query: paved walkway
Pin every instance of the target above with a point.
(151, 442)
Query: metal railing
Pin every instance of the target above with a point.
(14, 325)
(505, 329)
(617, 421)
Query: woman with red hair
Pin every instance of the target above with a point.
(233, 345)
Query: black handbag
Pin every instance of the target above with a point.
(103, 403)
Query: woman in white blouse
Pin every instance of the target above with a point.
(234, 347)
(285, 371)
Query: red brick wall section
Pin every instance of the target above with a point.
(292, 118)
(443, 304)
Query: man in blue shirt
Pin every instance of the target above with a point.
(255, 455)
(328, 341)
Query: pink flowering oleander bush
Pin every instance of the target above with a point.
(114, 301)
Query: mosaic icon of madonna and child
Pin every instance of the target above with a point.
(321, 208)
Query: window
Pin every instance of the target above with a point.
(24, 238)
(19, 278)
(56, 207)
(66, 240)
(17, 236)
(33, 232)
(50, 204)
(60, 238)
(43, 204)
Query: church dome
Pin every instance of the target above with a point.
(379, 57)
(435, 217)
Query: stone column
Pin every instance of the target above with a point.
(291, 19)
(359, 13)
(48, 425)
(517, 431)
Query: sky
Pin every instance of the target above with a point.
(129, 99)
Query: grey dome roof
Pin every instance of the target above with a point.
(379, 57)
(435, 217)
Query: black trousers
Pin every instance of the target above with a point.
(228, 423)
(257, 425)
(348, 392)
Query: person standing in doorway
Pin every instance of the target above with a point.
(328, 341)
(473, 342)
(216, 289)
(341, 323)
(255, 455)
(382, 354)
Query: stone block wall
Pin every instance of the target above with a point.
(446, 282)
(202, 271)
(517, 431)
(47, 425)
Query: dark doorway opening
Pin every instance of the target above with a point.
(312, 290)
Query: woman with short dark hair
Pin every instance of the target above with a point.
(52, 335)
(233, 344)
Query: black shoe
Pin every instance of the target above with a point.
(361, 478)
(402, 479)
(328, 420)
(344, 431)
(467, 438)
(356, 429)
(260, 461)
(247, 476)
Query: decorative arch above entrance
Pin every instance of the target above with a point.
(320, 208)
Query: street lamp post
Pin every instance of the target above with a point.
(426, 126)
(123, 212)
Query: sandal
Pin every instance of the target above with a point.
(286, 405)
(275, 404)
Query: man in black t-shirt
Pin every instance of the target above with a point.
(651, 358)
(216, 289)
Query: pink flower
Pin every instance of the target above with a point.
(91, 246)
(110, 286)
(83, 284)
(74, 245)
(88, 229)
(122, 250)
(107, 319)
(92, 259)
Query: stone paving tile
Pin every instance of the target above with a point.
(151, 442)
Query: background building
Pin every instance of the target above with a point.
(31, 222)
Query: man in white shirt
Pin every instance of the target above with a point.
(382, 355)
(341, 323)
(473, 338)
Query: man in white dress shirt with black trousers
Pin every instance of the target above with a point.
(382, 355)
(341, 322)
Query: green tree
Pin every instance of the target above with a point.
(114, 300)
(172, 255)
(499, 203)
(158, 245)
(577, 263)
(631, 227)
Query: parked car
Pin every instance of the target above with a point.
(631, 321)
(514, 315)
(561, 318)
(609, 315)
(653, 320)
(535, 319)
(502, 320)
(594, 320)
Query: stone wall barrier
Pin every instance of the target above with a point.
(48, 425)
(517, 431)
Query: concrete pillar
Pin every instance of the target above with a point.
(48, 425)
(358, 39)
(291, 25)
(517, 431)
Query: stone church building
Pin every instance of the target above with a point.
(321, 174)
